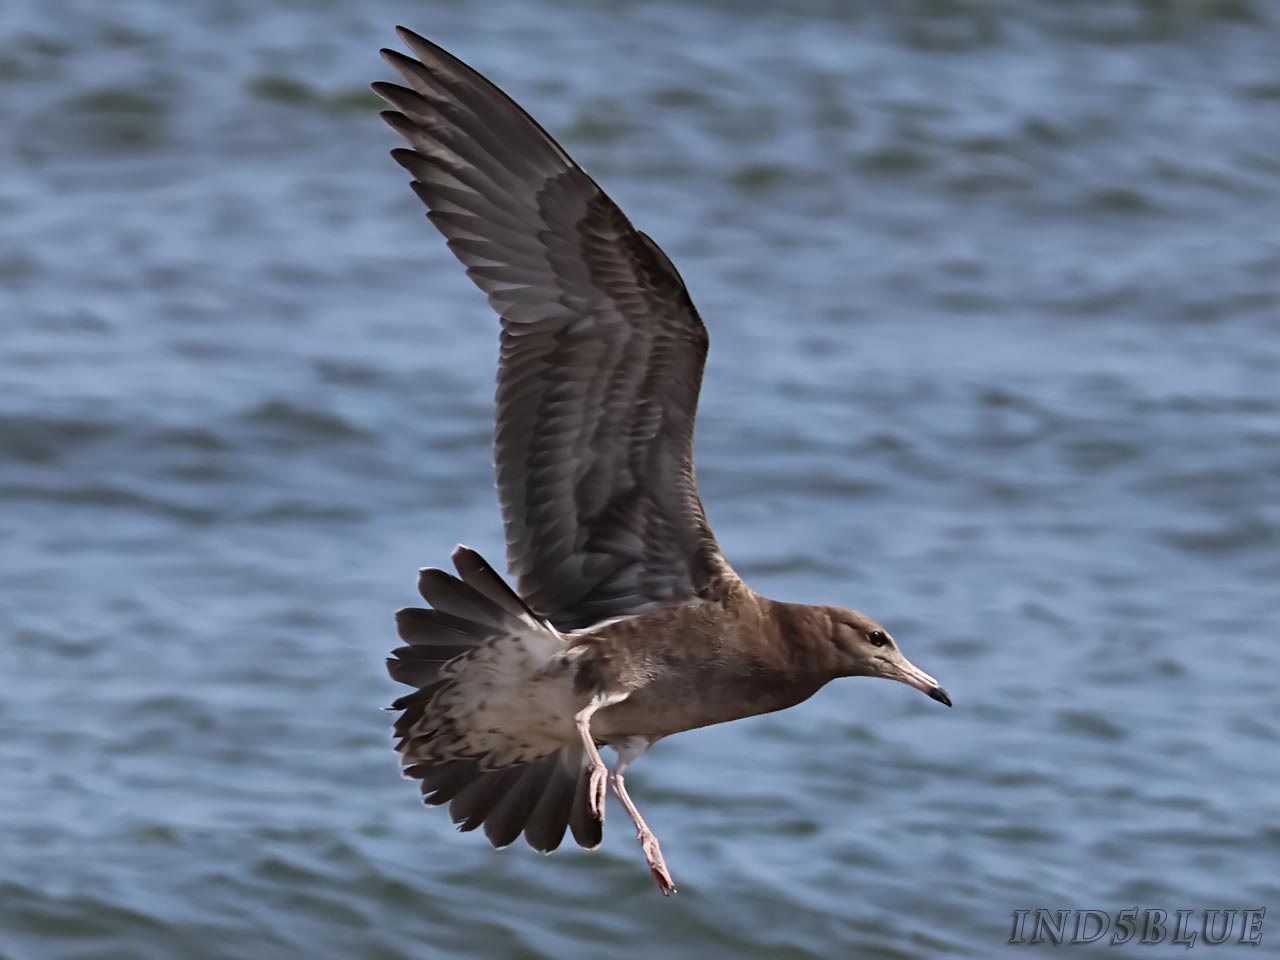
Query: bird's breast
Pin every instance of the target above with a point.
(675, 703)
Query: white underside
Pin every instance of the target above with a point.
(511, 699)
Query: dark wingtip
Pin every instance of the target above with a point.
(937, 693)
(385, 90)
(405, 157)
(412, 39)
(398, 59)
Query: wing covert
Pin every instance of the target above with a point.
(601, 359)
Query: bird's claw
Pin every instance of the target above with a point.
(657, 866)
(665, 886)
(597, 787)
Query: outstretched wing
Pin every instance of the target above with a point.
(601, 360)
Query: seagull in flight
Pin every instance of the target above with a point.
(626, 623)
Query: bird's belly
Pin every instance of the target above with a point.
(661, 708)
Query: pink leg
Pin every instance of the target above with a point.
(627, 751)
(596, 770)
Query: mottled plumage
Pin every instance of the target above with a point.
(627, 623)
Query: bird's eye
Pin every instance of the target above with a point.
(877, 638)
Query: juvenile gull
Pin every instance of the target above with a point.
(627, 623)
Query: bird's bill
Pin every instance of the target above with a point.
(913, 676)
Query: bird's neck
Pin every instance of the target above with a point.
(802, 635)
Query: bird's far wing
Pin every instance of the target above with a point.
(601, 352)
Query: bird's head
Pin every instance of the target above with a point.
(863, 648)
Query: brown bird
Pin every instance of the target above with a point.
(627, 624)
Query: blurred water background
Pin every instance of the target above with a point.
(993, 296)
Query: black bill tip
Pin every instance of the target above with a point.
(937, 693)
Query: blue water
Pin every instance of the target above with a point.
(994, 298)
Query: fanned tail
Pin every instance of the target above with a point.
(541, 798)
(467, 612)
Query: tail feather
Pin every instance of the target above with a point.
(416, 673)
(414, 701)
(428, 627)
(413, 705)
(541, 797)
(536, 798)
(472, 806)
(587, 830)
(477, 573)
(456, 597)
(508, 819)
(421, 665)
(550, 817)
(441, 782)
(439, 653)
